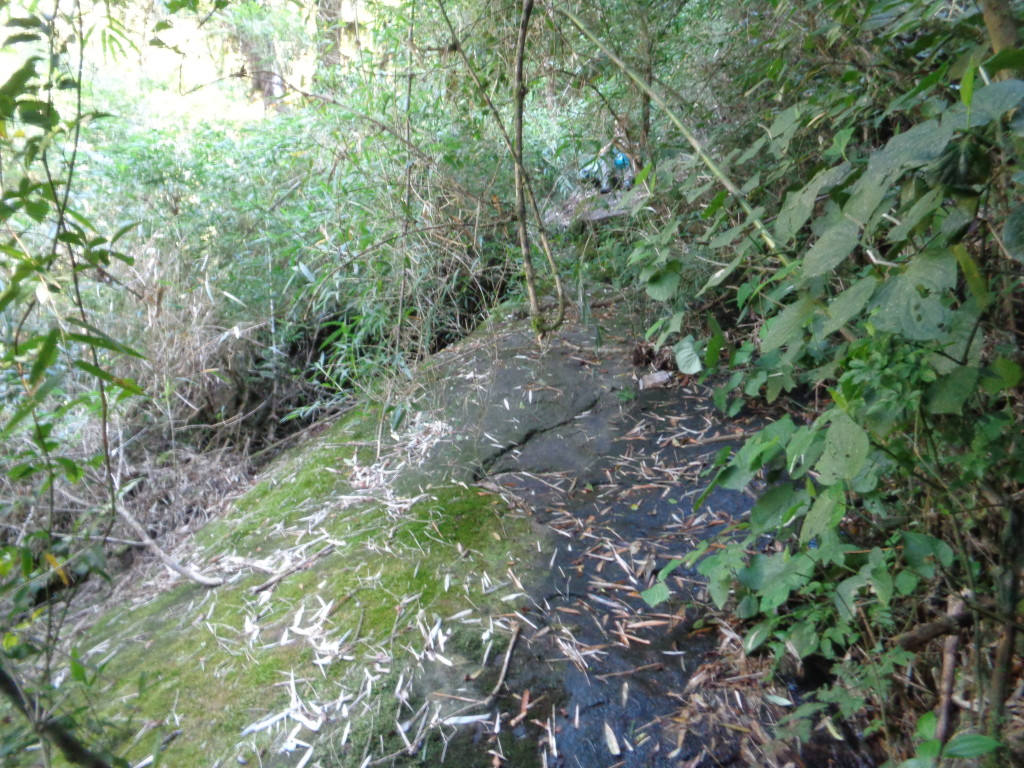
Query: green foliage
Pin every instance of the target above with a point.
(887, 294)
(930, 751)
(58, 368)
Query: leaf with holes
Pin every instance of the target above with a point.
(846, 450)
(912, 303)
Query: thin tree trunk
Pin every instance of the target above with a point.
(647, 63)
(517, 157)
(1002, 28)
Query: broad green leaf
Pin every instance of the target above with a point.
(912, 303)
(1003, 374)
(989, 104)
(924, 206)
(964, 163)
(748, 607)
(687, 357)
(656, 595)
(930, 749)
(846, 449)
(825, 514)
(800, 204)
(970, 745)
(923, 552)
(845, 598)
(835, 244)
(804, 638)
(914, 148)
(948, 394)
(848, 304)
(15, 84)
(776, 507)
(926, 725)
(753, 577)
(756, 636)
(756, 451)
(728, 237)
(1013, 233)
(1008, 58)
(867, 195)
(786, 328)
(906, 582)
(803, 450)
(663, 285)
(783, 130)
(881, 578)
(37, 208)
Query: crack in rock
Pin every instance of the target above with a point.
(488, 462)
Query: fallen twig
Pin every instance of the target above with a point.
(289, 571)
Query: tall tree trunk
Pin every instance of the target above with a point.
(329, 37)
(264, 69)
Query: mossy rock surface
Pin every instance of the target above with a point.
(387, 598)
(378, 573)
(399, 575)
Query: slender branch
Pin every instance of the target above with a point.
(527, 186)
(157, 550)
(74, 751)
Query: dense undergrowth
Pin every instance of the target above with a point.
(828, 204)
